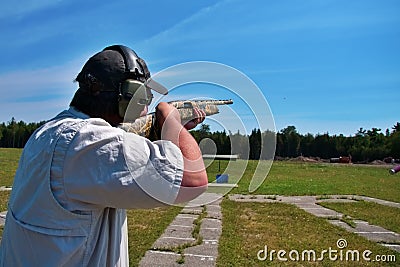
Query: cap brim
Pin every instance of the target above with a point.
(153, 85)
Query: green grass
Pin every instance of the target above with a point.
(294, 178)
(387, 217)
(9, 158)
(248, 227)
(144, 227)
(4, 196)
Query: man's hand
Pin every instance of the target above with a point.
(200, 116)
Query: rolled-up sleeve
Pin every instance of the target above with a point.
(105, 166)
(159, 173)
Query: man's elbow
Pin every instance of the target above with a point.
(195, 179)
(192, 186)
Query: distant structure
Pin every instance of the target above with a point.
(221, 178)
(341, 160)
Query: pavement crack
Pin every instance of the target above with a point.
(195, 239)
(191, 239)
(195, 234)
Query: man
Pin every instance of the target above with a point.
(78, 173)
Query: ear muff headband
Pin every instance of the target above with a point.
(135, 67)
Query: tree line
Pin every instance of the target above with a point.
(364, 146)
(16, 134)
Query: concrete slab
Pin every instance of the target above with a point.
(364, 198)
(258, 200)
(350, 197)
(3, 218)
(309, 199)
(252, 198)
(210, 233)
(324, 213)
(297, 199)
(204, 199)
(318, 210)
(167, 259)
(199, 260)
(395, 247)
(211, 223)
(341, 224)
(375, 233)
(211, 229)
(5, 188)
(169, 243)
(379, 236)
(159, 258)
(213, 208)
(380, 201)
(208, 248)
(336, 200)
(214, 215)
(214, 211)
(308, 205)
(179, 233)
(216, 202)
(192, 210)
(184, 219)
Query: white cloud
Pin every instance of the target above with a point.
(32, 111)
(34, 95)
(179, 32)
(21, 8)
(27, 83)
(230, 21)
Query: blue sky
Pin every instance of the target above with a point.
(323, 66)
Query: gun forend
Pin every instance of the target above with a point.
(199, 103)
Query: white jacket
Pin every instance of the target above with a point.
(75, 177)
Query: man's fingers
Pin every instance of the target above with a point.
(200, 115)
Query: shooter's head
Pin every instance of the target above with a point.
(112, 79)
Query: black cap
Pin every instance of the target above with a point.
(114, 65)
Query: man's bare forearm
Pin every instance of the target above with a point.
(172, 129)
(194, 171)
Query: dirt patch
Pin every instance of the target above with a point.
(305, 159)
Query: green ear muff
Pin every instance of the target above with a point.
(135, 95)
